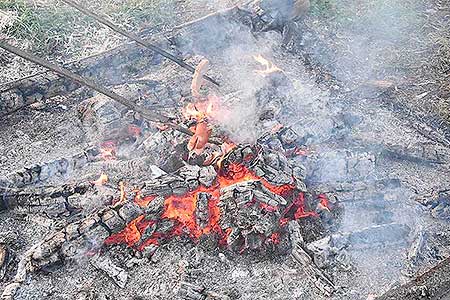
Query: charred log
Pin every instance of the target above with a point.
(40, 196)
(46, 171)
(299, 253)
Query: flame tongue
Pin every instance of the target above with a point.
(269, 67)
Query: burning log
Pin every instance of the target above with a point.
(317, 276)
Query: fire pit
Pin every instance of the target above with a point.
(268, 186)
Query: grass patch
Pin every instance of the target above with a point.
(58, 30)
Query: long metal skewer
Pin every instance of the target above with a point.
(147, 114)
(135, 38)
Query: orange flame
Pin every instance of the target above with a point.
(269, 67)
(101, 180)
(108, 150)
(122, 195)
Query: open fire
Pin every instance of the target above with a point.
(182, 210)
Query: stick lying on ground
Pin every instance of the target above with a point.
(135, 38)
(433, 284)
(147, 114)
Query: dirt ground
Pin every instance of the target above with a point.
(346, 50)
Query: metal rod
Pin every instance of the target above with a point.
(135, 38)
(147, 114)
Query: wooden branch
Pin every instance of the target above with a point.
(108, 67)
(433, 284)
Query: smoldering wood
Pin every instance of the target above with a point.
(56, 246)
(201, 209)
(415, 252)
(373, 236)
(359, 191)
(419, 154)
(40, 173)
(150, 115)
(299, 253)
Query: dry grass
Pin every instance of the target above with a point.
(404, 41)
(52, 28)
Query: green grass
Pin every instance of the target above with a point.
(56, 29)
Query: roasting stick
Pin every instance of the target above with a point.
(135, 38)
(147, 114)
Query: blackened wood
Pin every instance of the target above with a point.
(4, 260)
(32, 196)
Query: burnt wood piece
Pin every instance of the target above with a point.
(111, 67)
(316, 275)
(57, 168)
(433, 284)
(105, 264)
(39, 196)
(68, 242)
(4, 260)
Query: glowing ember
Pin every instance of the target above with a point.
(122, 195)
(269, 67)
(131, 234)
(108, 150)
(134, 130)
(275, 238)
(143, 202)
(182, 210)
(101, 180)
(324, 203)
